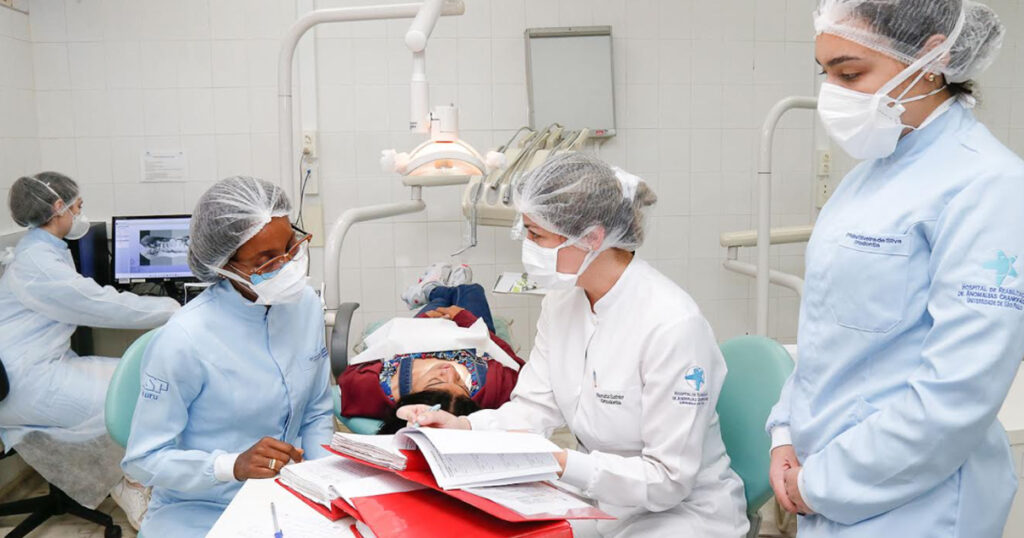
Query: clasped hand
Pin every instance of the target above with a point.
(783, 473)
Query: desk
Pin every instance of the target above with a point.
(248, 515)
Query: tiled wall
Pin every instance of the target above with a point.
(19, 148)
(693, 81)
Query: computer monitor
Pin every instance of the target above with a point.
(150, 248)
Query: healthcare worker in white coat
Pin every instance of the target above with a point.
(912, 320)
(235, 386)
(622, 356)
(56, 399)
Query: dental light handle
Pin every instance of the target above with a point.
(416, 39)
(419, 97)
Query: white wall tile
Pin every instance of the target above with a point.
(642, 19)
(234, 155)
(123, 64)
(94, 160)
(508, 18)
(161, 112)
(197, 108)
(87, 66)
(58, 154)
(201, 151)
(195, 64)
(126, 155)
(55, 113)
(642, 106)
(47, 21)
(371, 108)
(230, 64)
(370, 61)
(84, 20)
(510, 106)
(262, 55)
(51, 66)
(508, 61)
(675, 20)
(127, 112)
(231, 110)
(227, 19)
(159, 64)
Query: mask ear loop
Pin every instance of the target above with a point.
(233, 276)
(921, 64)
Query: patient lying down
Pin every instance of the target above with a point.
(447, 355)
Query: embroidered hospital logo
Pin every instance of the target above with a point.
(1003, 266)
(695, 378)
(153, 387)
(697, 382)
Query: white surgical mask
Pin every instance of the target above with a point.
(869, 126)
(285, 286)
(79, 227)
(541, 264)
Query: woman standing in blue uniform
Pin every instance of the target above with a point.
(911, 322)
(235, 385)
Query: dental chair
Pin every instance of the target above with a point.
(54, 503)
(340, 345)
(758, 367)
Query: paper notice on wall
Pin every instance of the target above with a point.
(159, 166)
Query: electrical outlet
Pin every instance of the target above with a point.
(309, 145)
(822, 192)
(824, 163)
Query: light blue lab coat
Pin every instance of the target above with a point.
(42, 301)
(911, 331)
(222, 374)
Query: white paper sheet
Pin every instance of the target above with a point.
(248, 515)
(459, 470)
(450, 442)
(332, 476)
(532, 498)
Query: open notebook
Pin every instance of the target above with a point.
(459, 458)
(334, 477)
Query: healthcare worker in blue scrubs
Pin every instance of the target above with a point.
(235, 385)
(912, 321)
(53, 415)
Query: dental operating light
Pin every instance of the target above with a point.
(444, 154)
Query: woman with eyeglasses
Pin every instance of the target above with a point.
(198, 430)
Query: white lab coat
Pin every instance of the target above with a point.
(54, 392)
(651, 448)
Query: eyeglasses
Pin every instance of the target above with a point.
(296, 252)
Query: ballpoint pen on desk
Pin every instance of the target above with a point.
(434, 407)
(277, 528)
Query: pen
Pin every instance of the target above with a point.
(434, 407)
(277, 528)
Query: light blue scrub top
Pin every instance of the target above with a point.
(43, 299)
(911, 331)
(222, 374)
